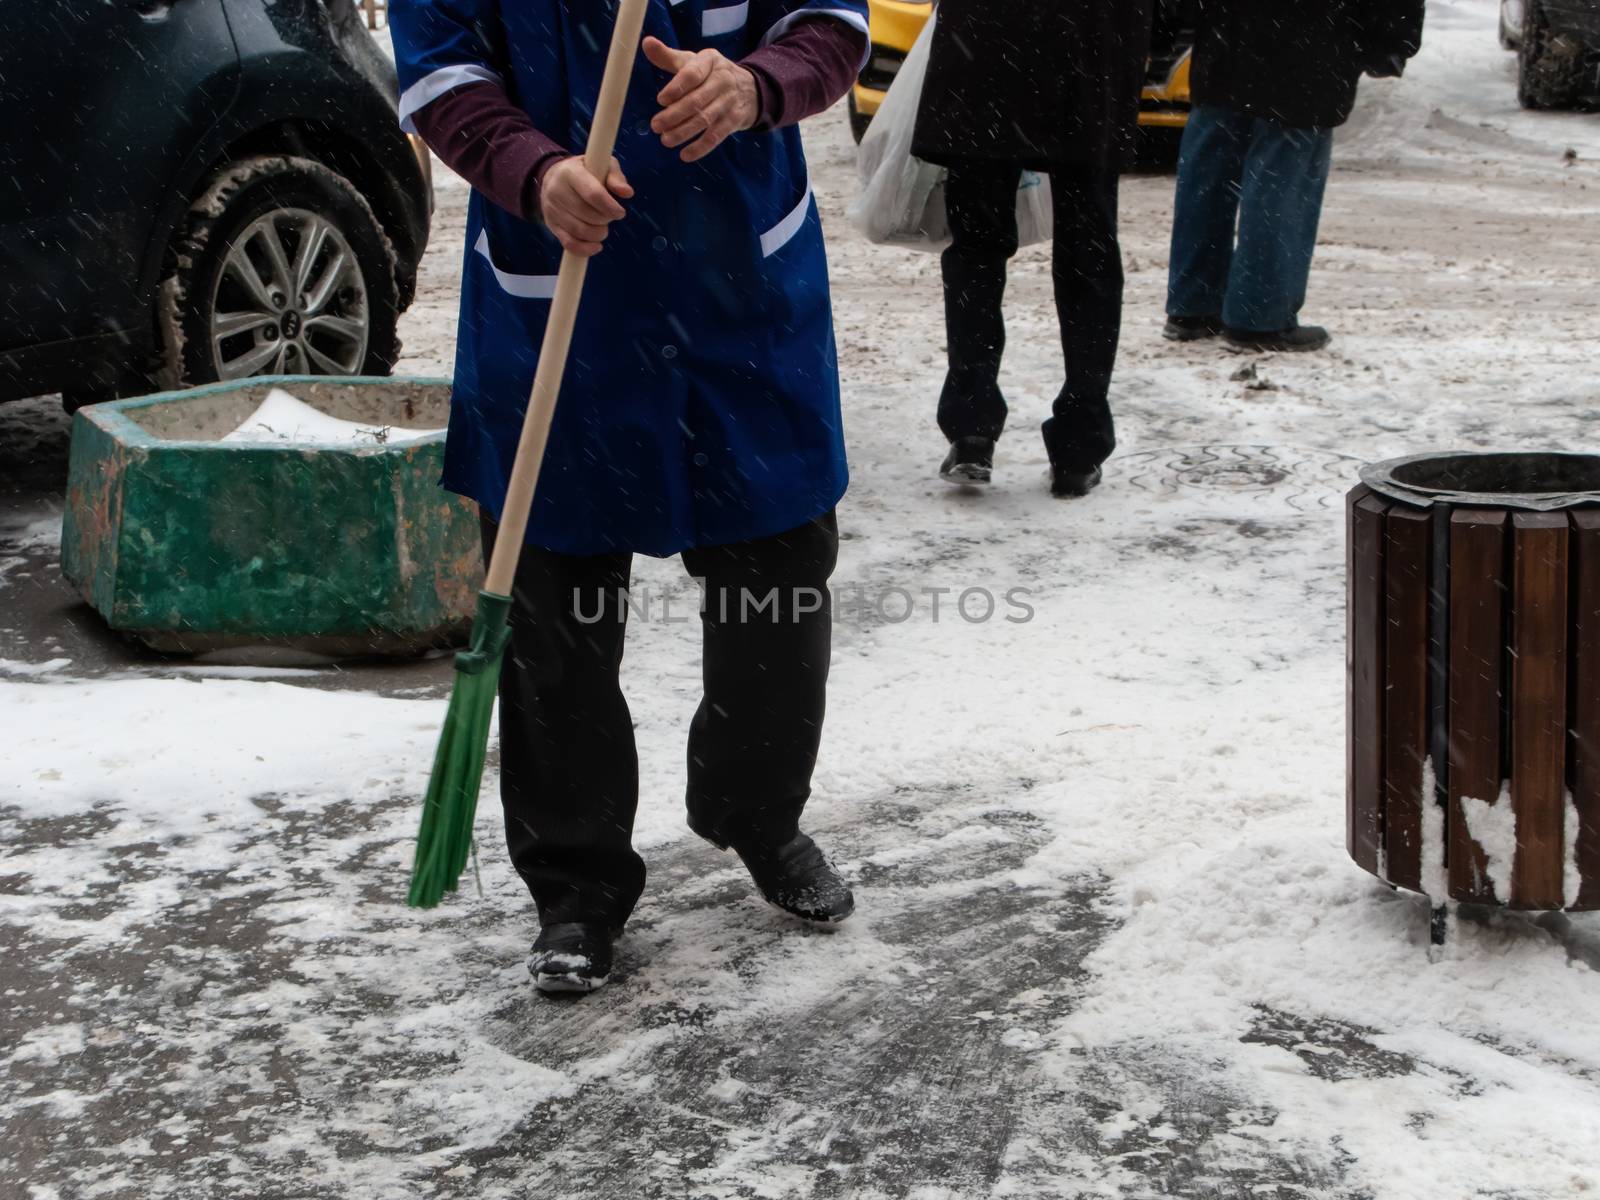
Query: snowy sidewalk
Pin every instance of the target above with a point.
(1109, 941)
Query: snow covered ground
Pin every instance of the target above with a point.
(1109, 941)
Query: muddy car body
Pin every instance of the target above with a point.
(173, 150)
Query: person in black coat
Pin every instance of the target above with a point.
(1016, 85)
(1270, 82)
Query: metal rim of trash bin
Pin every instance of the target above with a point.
(1478, 479)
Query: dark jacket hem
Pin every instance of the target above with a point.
(781, 520)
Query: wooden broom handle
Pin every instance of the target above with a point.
(563, 310)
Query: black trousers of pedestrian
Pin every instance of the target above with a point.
(569, 772)
(981, 199)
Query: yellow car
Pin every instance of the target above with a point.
(1164, 108)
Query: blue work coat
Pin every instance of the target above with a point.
(701, 398)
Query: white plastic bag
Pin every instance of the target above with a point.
(902, 198)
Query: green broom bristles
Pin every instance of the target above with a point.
(444, 842)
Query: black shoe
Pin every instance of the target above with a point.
(970, 461)
(1070, 482)
(799, 879)
(1191, 329)
(1294, 339)
(571, 956)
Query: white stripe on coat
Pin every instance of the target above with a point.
(435, 84)
(853, 19)
(525, 287)
(781, 234)
(715, 22)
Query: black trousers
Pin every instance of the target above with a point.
(981, 199)
(569, 773)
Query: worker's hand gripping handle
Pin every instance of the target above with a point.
(563, 309)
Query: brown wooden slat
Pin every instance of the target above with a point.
(1586, 702)
(1364, 777)
(1539, 706)
(1477, 658)
(1407, 555)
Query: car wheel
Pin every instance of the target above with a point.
(1549, 65)
(282, 269)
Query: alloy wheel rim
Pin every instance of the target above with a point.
(290, 299)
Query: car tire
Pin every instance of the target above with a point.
(281, 268)
(1550, 67)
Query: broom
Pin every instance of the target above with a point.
(445, 840)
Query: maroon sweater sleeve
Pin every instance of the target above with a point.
(492, 144)
(804, 71)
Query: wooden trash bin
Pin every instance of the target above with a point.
(1474, 679)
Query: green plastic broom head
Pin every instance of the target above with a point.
(445, 841)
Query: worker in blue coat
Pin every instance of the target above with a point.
(699, 416)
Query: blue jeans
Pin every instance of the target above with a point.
(1267, 177)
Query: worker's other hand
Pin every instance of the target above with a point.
(577, 208)
(709, 97)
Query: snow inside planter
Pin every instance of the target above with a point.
(300, 512)
(1474, 677)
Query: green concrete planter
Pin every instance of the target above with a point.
(190, 544)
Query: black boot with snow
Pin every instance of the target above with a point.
(798, 878)
(571, 956)
(970, 461)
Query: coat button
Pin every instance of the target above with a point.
(700, 460)
(642, 128)
(669, 351)
(658, 243)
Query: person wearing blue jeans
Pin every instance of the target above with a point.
(1270, 82)
(1269, 178)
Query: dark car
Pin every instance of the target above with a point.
(194, 190)
(1558, 50)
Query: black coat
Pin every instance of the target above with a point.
(1042, 83)
(1298, 61)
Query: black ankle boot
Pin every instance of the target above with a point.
(571, 956)
(798, 878)
(1071, 482)
(970, 461)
